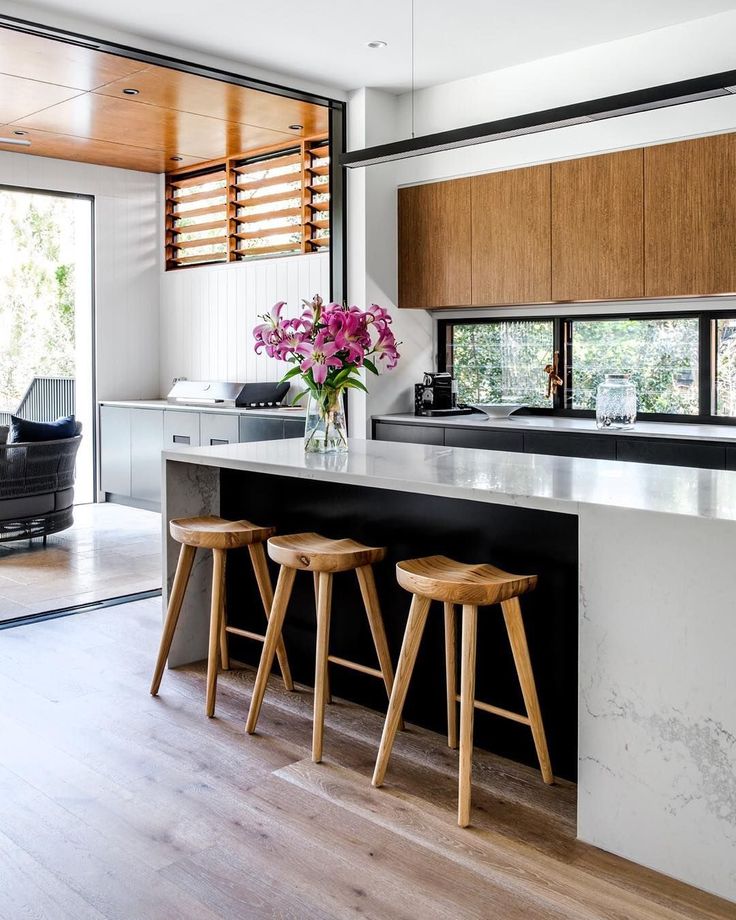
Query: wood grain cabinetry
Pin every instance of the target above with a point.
(690, 217)
(434, 245)
(598, 227)
(511, 237)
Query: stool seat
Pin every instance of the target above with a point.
(443, 579)
(312, 552)
(211, 532)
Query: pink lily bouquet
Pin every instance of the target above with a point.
(329, 344)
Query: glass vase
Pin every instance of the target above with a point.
(325, 430)
(615, 405)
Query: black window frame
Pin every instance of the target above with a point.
(563, 343)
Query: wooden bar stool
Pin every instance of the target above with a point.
(218, 535)
(310, 552)
(441, 579)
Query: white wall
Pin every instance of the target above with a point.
(208, 314)
(127, 219)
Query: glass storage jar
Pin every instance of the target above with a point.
(615, 405)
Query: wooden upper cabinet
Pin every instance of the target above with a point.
(434, 245)
(598, 227)
(511, 237)
(690, 217)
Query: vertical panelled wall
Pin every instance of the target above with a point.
(127, 254)
(208, 313)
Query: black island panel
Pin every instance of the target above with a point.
(519, 540)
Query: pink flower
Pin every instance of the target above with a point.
(378, 316)
(386, 350)
(264, 333)
(319, 357)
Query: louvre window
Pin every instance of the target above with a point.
(276, 203)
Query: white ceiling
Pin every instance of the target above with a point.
(325, 42)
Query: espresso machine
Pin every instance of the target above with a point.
(437, 395)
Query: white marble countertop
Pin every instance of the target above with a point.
(285, 411)
(525, 480)
(678, 430)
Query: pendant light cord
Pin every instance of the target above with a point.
(412, 68)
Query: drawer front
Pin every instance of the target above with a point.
(484, 440)
(589, 446)
(731, 458)
(672, 453)
(293, 427)
(409, 434)
(215, 428)
(181, 429)
(254, 428)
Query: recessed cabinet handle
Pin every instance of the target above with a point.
(214, 441)
(182, 439)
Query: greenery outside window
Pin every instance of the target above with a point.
(683, 364)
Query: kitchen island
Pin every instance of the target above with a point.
(632, 629)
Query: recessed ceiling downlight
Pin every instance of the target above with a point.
(130, 91)
(296, 127)
(177, 159)
(376, 44)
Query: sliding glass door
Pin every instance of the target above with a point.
(46, 315)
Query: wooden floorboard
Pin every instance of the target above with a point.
(118, 805)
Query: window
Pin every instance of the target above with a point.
(501, 362)
(277, 203)
(683, 365)
(661, 355)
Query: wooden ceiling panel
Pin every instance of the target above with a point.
(20, 97)
(185, 92)
(106, 118)
(66, 147)
(38, 58)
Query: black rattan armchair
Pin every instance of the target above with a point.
(37, 487)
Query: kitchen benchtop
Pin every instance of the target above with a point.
(553, 424)
(285, 411)
(550, 483)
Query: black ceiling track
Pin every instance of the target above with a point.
(642, 100)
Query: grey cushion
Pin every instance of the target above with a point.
(4, 434)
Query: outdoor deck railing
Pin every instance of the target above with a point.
(46, 399)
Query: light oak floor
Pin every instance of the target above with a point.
(110, 551)
(117, 805)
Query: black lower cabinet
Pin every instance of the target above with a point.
(592, 447)
(672, 453)
(731, 458)
(409, 434)
(484, 440)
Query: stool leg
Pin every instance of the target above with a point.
(263, 580)
(176, 598)
(224, 653)
(320, 668)
(450, 671)
(517, 637)
(273, 634)
(367, 583)
(408, 656)
(467, 710)
(328, 692)
(218, 593)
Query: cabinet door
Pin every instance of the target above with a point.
(672, 453)
(484, 440)
(260, 428)
(146, 443)
(410, 434)
(591, 446)
(115, 450)
(293, 427)
(218, 429)
(511, 237)
(434, 245)
(690, 202)
(598, 227)
(181, 428)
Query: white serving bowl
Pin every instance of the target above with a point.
(499, 410)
